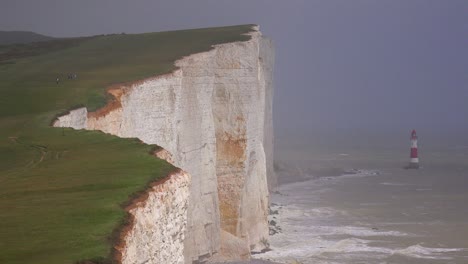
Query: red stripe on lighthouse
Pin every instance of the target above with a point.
(414, 152)
(414, 160)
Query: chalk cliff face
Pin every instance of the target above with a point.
(213, 117)
(159, 223)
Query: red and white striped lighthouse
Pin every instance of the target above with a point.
(414, 160)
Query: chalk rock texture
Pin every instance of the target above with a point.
(213, 117)
(159, 226)
(76, 119)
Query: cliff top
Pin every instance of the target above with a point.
(62, 189)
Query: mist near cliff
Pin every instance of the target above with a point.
(350, 71)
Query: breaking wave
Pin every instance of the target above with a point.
(313, 233)
(418, 251)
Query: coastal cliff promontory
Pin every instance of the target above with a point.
(213, 118)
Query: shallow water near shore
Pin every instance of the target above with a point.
(376, 213)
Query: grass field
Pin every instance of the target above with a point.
(61, 190)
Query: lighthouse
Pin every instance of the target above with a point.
(414, 160)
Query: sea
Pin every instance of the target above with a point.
(357, 204)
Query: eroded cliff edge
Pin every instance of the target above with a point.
(213, 117)
(157, 224)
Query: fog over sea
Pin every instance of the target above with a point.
(354, 203)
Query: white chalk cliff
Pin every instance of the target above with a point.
(213, 117)
(158, 223)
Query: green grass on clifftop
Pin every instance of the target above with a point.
(61, 190)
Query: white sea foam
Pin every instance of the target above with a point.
(423, 189)
(359, 231)
(313, 233)
(371, 204)
(418, 251)
(394, 184)
(313, 249)
(359, 174)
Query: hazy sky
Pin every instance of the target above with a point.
(352, 66)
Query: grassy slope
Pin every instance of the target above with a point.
(16, 51)
(61, 190)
